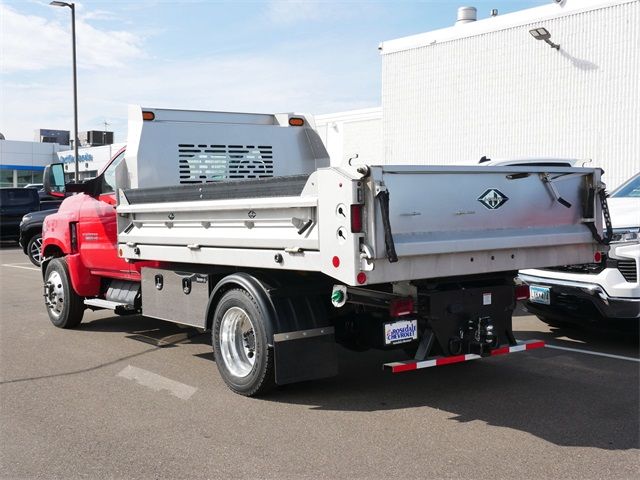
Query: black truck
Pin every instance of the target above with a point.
(22, 212)
(14, 204)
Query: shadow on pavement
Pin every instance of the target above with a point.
(565, 398)
(549, 394)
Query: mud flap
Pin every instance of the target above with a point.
(305, 355)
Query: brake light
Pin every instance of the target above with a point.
(73, 233)
(401, 306)
(356, 218)
(148, 116)
(522, 292)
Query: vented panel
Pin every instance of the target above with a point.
(211, 163)
(628, 270)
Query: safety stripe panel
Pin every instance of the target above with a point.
(397, 367)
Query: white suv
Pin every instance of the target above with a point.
(605, 290)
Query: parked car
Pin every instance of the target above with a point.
(14, 204)
(603, 291)
(31, 234)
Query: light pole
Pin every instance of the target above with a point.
(72, 6)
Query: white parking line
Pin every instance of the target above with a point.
(589, 352)
(18, 266)
(157, 382)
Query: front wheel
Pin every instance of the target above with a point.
(64, 306)
(34, 248)
(240, 345)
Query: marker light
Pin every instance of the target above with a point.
(148, 116)
(362, 278)
(336, 262)
(356, 218)
(296, 122)
(401, 306)
(597, 257)
(522, 292)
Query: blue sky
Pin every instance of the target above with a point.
(263, 56)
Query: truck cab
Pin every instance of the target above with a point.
(86, 222)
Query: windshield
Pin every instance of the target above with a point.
(630, 189)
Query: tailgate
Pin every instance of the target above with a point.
(530, 211)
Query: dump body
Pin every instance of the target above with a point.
(444, 221)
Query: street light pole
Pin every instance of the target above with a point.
(72, 6)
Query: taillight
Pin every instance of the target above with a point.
(401, 306)
(522, 292)
(356, 218)
(73, 233)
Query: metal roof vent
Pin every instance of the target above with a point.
(466, 15)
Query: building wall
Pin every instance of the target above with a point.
(23, 162)
(491, 89)
(91, 160)
(346, 134)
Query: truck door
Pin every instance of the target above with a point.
(97, 227)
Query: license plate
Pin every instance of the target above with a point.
(540, 294)
(401, 331)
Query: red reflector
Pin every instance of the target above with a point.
(401, 306)
(356, 218)
(148, 115)
(362, 278)
(522, 292)
(597, 257)
(336, 262)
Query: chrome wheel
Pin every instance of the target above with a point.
(237, 342)
(35, 247)
(54, 296)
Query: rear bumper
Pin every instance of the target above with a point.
(408, 365)
(580, 301)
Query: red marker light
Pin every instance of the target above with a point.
(401, 306)
(356, 218)
(336, 262)
(362, 278)
(522, 292)
(597, 257)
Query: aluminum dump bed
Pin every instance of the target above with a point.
(370, 225)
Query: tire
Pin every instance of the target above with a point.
(64, 306)
(34, 249)
(240, 345)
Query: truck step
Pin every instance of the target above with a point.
(397, 367)
(117, 307)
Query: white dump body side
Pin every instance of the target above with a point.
(438, 223)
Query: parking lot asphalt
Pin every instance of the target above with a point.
(131, 397)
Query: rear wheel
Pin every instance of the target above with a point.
(64, 306)
(34, 249)
(240, 345)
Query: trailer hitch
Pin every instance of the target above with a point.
(476, 336)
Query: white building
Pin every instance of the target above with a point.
(490, 88)
(91, 160)
(22, 163)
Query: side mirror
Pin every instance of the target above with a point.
(53, 180)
